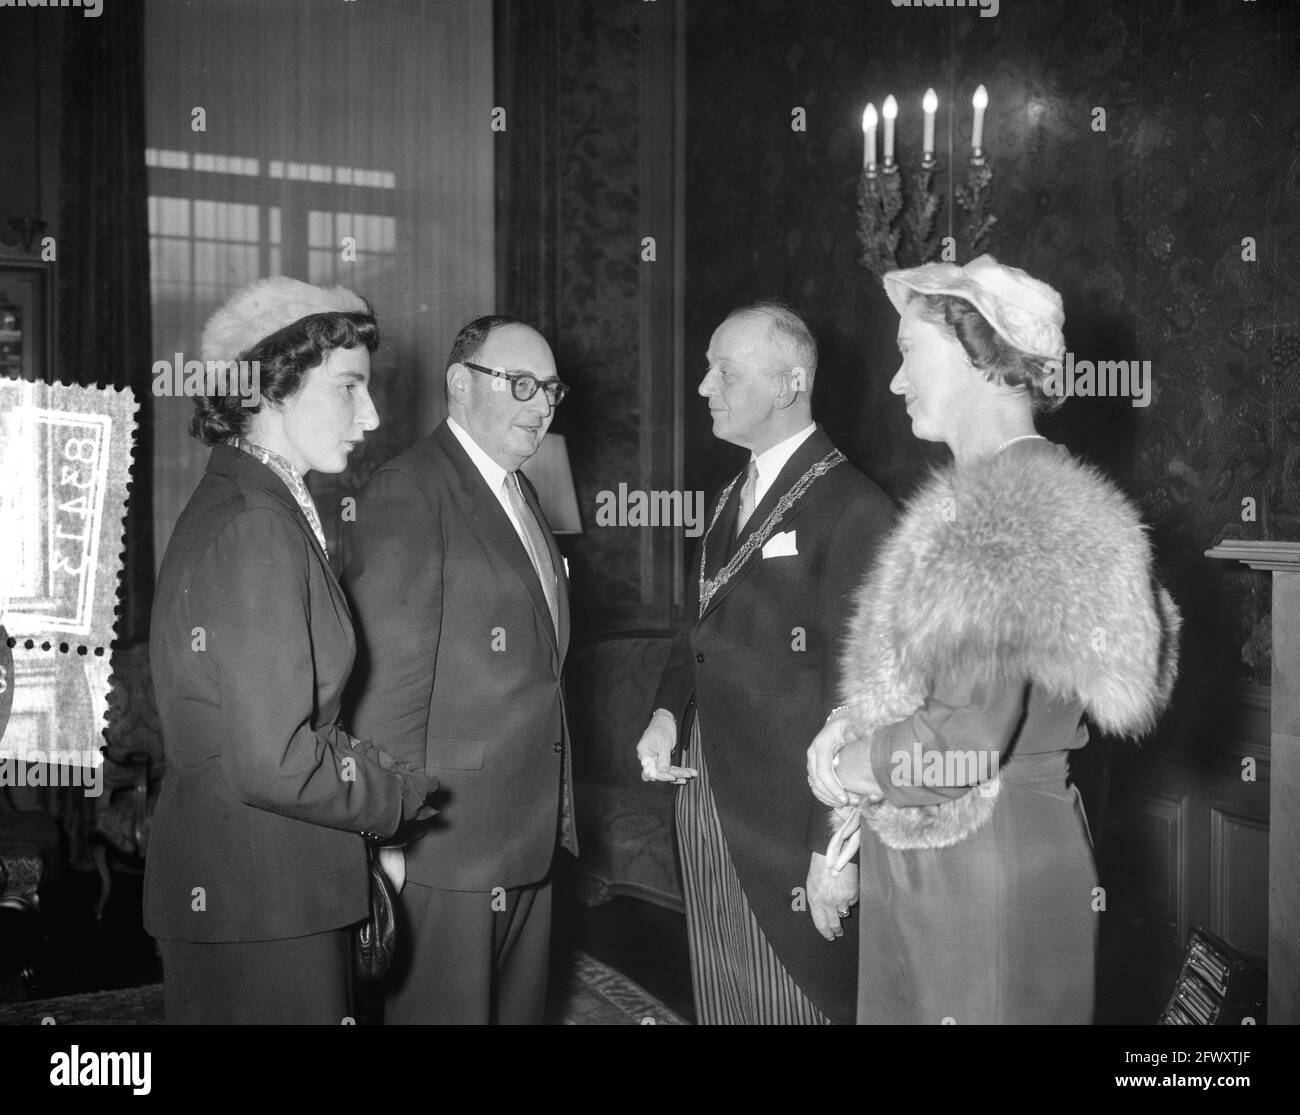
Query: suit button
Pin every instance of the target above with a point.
(699, 657)
(557, 747)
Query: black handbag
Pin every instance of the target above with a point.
(374, 941)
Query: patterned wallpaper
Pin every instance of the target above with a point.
(597, 343)
(1139, 227)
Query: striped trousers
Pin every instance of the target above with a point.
(736, 976)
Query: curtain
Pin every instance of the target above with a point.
(344, 143)
(103, 256)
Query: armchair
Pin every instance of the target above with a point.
(625, 826)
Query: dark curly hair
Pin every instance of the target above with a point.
(1000, 361)
(283, 359)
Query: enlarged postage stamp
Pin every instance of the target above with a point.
(65, 466)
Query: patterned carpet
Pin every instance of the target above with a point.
(596, 995)
(599, 995)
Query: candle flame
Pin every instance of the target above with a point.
(981, 98)
(930, 101)
(869, 117)
(891, 107)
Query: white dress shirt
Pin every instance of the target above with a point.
(495, 476)
(771, 461)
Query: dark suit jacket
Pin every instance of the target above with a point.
(761, 668)
(264, 796)
(459, 665)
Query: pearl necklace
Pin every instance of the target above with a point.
(1022, 437)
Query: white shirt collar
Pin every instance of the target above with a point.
(771, 461)
(491, 472)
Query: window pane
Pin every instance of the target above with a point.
(320, 266)
(320, 229)
(220, 220)
(169, 263)
(169, 216)
(220, 267)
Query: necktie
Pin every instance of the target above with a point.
(747, 497)
(538, 551)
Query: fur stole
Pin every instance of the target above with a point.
(1027, 566)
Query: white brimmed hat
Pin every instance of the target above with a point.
(267, 306)
(1025, 312)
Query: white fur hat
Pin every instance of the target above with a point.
(1026, 312)
(267, 306)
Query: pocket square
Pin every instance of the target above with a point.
(781, 545)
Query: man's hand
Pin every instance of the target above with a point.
(830, 896)
(822, 780)
(392, 862)
(655, 751)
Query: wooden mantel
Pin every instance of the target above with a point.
(1282, 559)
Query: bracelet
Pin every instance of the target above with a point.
(840, 708)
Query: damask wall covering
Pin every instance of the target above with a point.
(599, 282)
(587, 169)
(1139, 227)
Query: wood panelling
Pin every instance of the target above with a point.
(1186, 845)
(1239, 881)
(1154, 886)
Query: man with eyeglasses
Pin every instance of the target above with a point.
(461, 606)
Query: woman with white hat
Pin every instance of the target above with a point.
(1015, 598)
(257, 864)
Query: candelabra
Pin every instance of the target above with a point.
(897, 221)
(898, 212)
(975, 197)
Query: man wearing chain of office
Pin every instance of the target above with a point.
(752, 677)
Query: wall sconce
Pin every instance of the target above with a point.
(896, 219)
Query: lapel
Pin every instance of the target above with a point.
(725, 529)
(814, 448)
(497, 533)
(262, 488)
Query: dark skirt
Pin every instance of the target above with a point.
(292, 981)
(1000, 928)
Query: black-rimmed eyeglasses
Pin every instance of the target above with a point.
(524, 386)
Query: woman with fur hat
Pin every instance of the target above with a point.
(1015, 598)
(257, 864)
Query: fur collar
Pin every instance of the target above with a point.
(1027, 565)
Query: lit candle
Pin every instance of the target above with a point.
(929, 103)
(869, 138)
(890, 111)
(981, 102)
